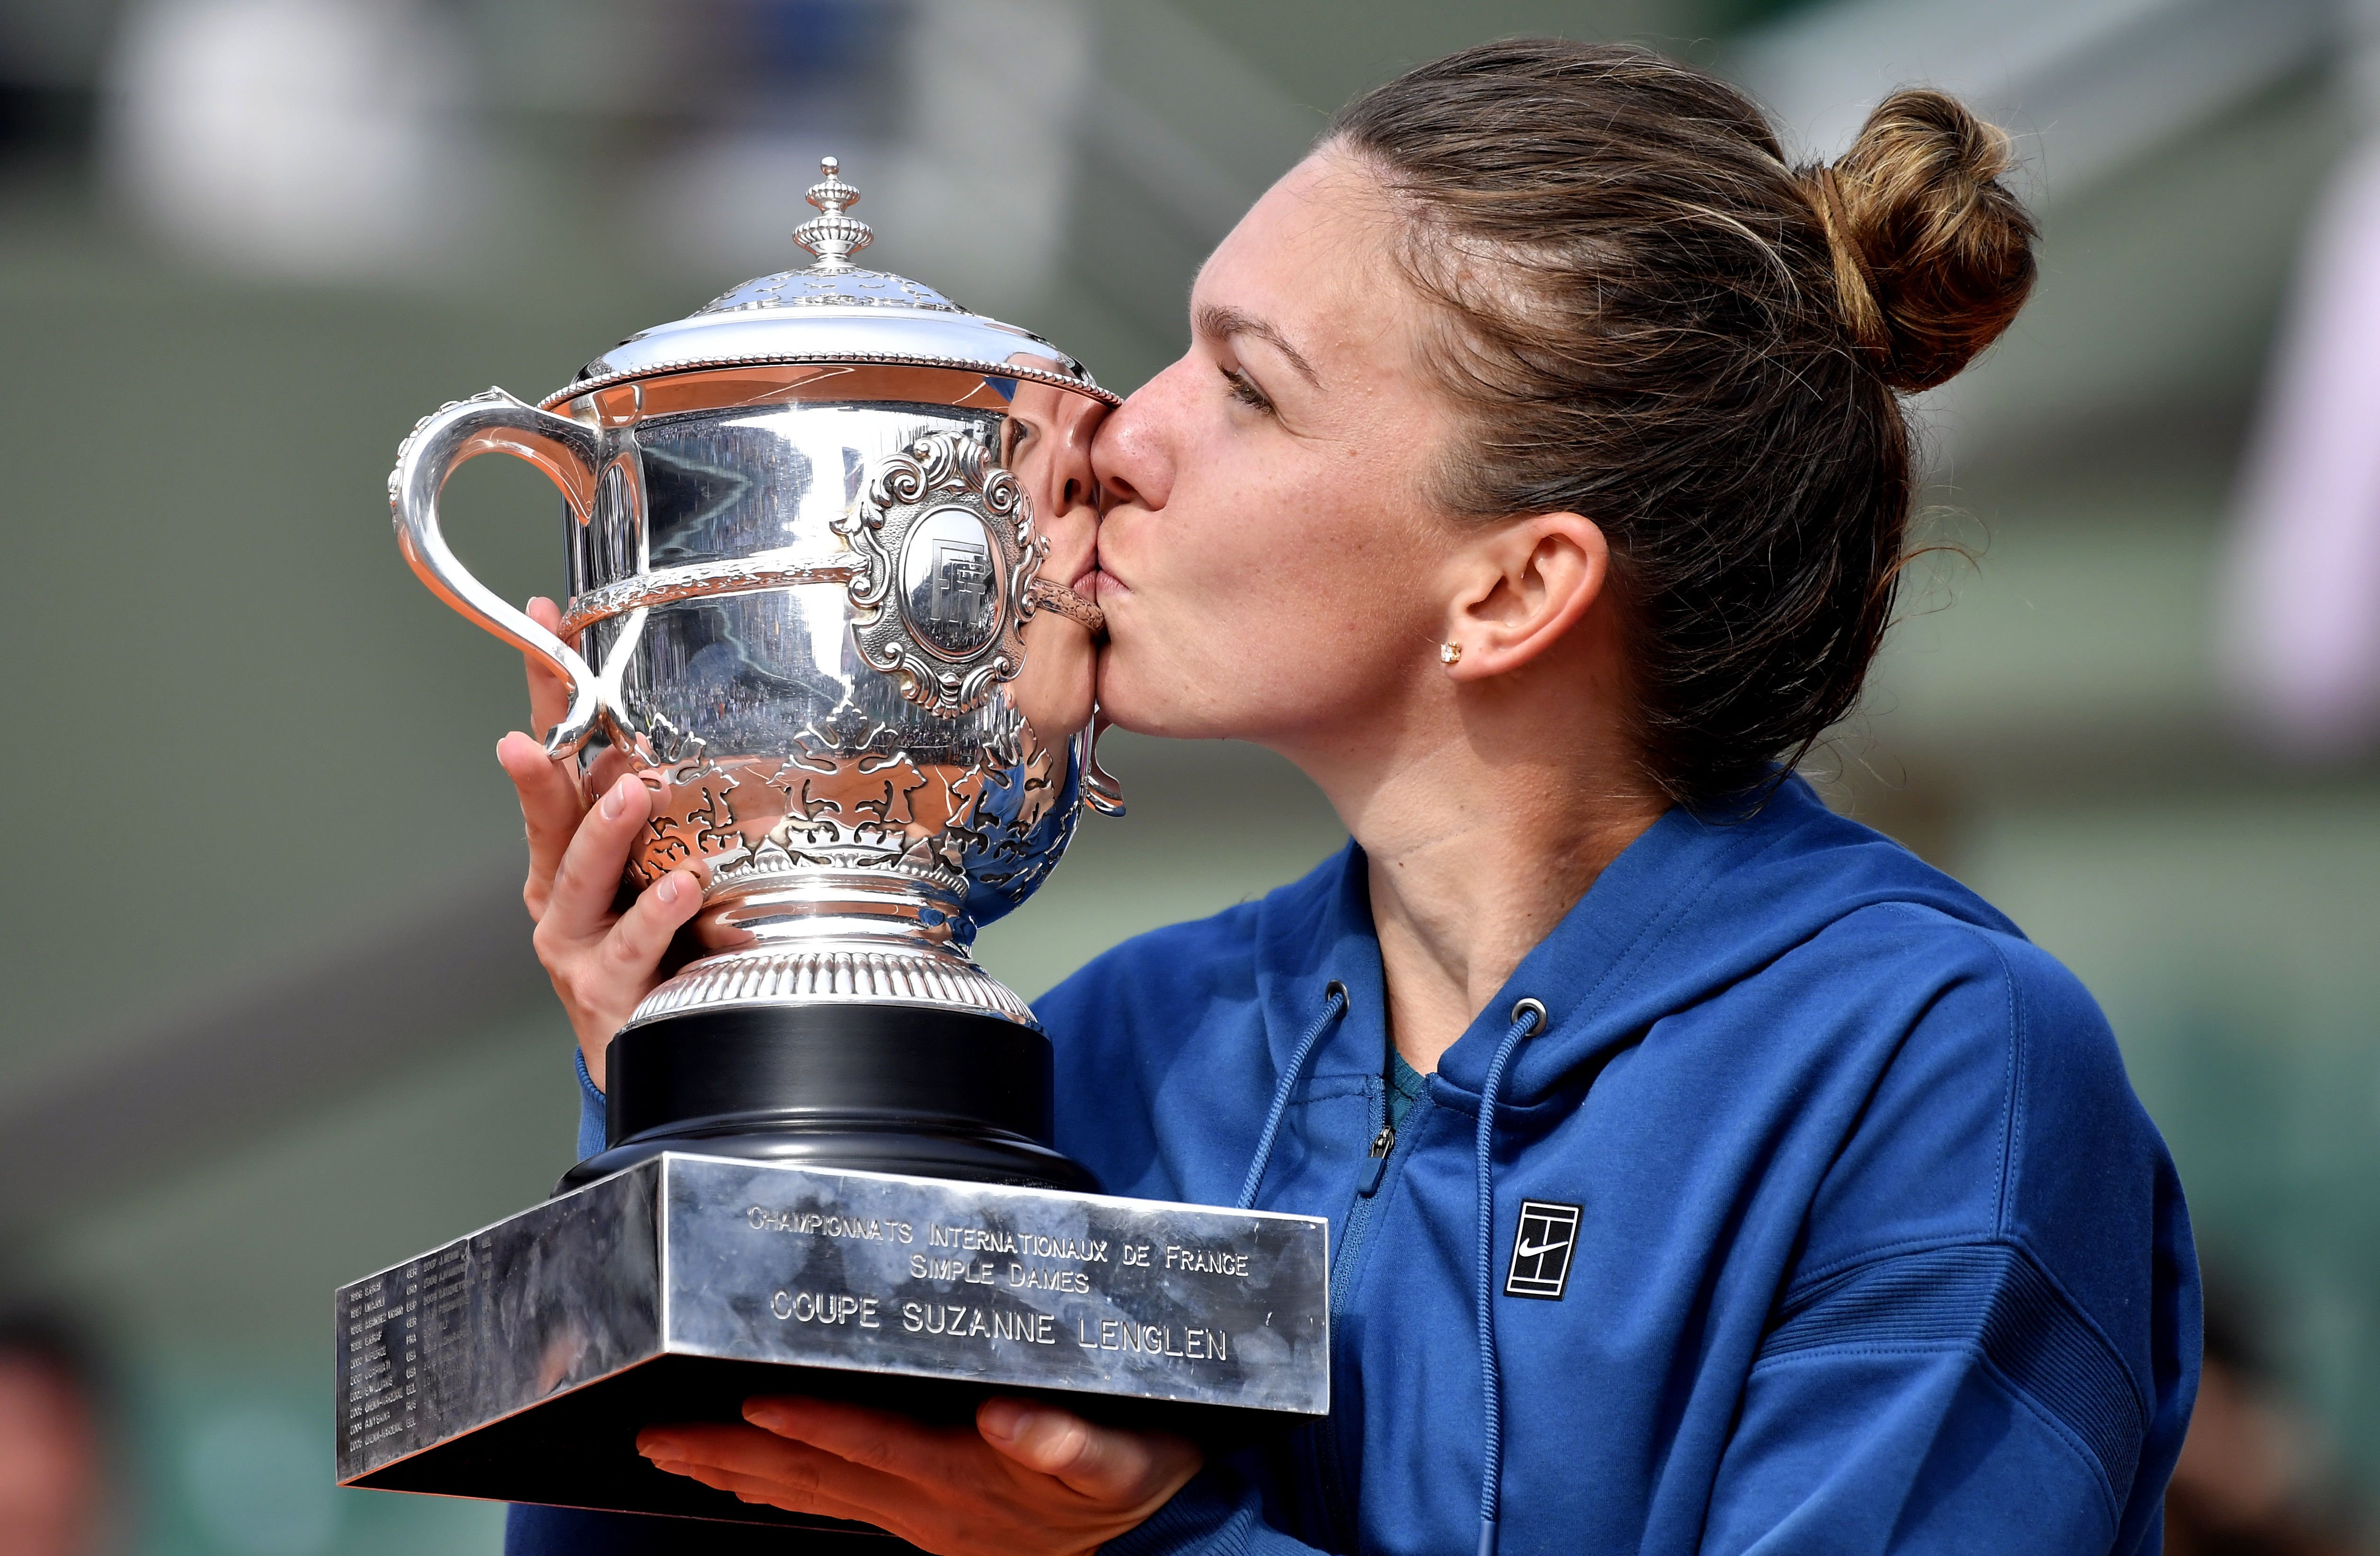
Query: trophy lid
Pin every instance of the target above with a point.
(831, 310)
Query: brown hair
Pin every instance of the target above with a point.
(1654, 321)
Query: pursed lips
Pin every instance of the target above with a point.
(1101, 582)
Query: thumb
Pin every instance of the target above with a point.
(1106, 1463)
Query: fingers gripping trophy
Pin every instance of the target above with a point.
(817, 539)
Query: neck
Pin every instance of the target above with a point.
(1478, 840)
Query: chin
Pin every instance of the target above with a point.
(1126, 702)
(1171, 683)
(1117, 705)
(1161, 718)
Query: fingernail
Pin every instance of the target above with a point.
(1002, 1418)
(615, 798)
(670, 887)
(767, 1418)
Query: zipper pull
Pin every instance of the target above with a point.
(1382, 1143)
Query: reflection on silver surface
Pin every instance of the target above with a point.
(665, 586)
(947, 584)
(819, 603)
(948, 541)
(555, 1298)
(694, 1256)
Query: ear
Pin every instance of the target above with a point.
(1521, 589)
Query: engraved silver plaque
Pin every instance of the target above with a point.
(518, 1363)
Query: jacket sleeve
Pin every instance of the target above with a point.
(1218, 1514)
(1927, 1401)
(1990, 1340)
(592, 1128)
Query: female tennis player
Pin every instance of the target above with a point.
(1705, 1173)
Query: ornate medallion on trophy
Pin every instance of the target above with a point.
(806, 527)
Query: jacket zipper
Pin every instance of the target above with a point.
(1382, 1143)
(1389, 1148)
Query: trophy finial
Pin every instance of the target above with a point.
(833, 236)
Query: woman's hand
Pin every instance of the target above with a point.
(1026, 1478)
(601, 962)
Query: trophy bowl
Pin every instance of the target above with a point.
(818, 540)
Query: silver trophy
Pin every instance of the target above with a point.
(811, 533)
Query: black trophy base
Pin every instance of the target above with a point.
(857, 1087)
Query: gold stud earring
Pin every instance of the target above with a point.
(1449, 653)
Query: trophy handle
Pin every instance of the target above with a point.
(1101, 793)
(568, 453)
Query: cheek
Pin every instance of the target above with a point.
(1264, 602)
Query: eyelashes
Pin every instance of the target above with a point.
(1244, 390)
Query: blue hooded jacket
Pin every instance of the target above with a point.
(1871, 1248)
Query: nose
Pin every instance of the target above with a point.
(1117, 490)
(1078, 422)
(1132, 453)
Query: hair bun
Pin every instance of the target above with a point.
(1933, 254)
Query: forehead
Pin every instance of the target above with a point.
(1312, 258)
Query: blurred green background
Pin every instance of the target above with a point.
(270, 1021)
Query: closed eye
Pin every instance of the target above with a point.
(1244, 390)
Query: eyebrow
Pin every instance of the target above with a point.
(1223, 321)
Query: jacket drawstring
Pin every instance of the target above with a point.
(1528, 1016)
(1333, 1007)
